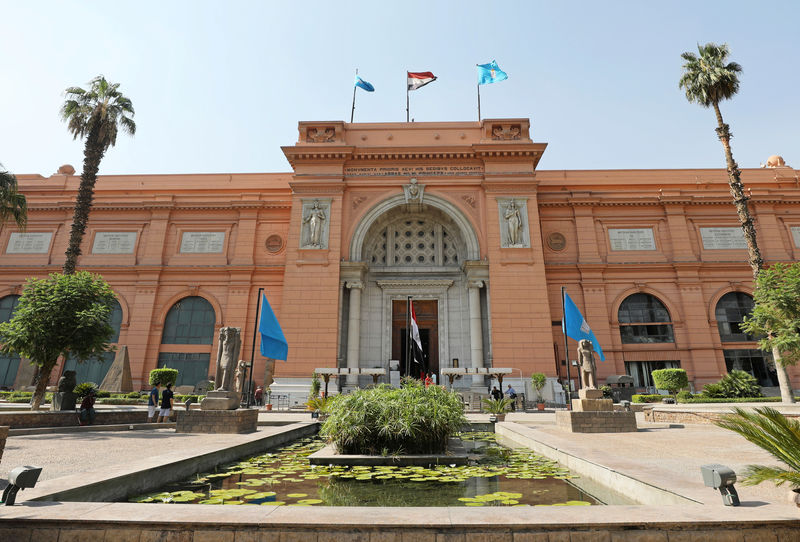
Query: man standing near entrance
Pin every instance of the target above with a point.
(166, 404)
(152, 402)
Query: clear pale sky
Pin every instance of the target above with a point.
(220, 86)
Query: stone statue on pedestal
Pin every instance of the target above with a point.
(241, 370)
(230, 344)
(64, 398)
(586, 363)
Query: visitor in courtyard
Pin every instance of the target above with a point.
(87, 413)
(166, 404)
(496, 394)
(512, 394)
(259, 395)
(152, 402)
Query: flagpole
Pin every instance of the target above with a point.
(479, 102)
(566, 351)
(407, 114)
(408, 337)
(353, 110)
(253, 349)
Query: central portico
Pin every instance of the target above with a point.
(444, 213)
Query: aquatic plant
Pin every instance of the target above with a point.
(411, 419)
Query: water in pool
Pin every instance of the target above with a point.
(497, 476)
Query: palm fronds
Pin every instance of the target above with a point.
(772, 431)
(13, 205)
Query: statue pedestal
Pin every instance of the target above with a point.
(64, 400)
(221, 400)
(217, 421)
(592, 414)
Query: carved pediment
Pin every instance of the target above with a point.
(321, 134)
(506, 132)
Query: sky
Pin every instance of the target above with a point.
(219, 86)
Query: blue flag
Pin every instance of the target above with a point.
(273, 343)
(575, 326)
(490, 73)
(360, 83)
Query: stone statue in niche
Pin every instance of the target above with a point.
(241, 370)
(230, 343)
(315, 219)
(514, 224)
(586, 363)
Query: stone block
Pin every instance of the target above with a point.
(217, 421)
(221, 400)
(596, 421)
(592, 405)
(590, 393)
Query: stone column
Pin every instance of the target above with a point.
(475, 329)
(353, 329)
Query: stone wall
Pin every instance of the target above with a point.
(670, 416)
(217, 421)
(596, 421)
(69, 418)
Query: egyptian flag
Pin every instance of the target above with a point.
(419, 79)
(416, 343)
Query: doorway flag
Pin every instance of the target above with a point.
(273, 343)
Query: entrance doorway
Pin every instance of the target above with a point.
(427, 312)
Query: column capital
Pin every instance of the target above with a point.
(354, 284)
(475, 284)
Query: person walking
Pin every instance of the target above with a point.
(496, 394)
(152, 402)
(166, 404)
(512, 394)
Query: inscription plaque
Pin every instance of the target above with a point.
(114, 242)
(631, 239)
(29, 243)
(723, 238)
(202, 242)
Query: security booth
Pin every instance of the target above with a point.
(621, 387)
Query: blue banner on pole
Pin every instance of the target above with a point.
(575, 326)
(273, 343)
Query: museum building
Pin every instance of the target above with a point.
(454, 215)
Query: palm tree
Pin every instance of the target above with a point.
(13, 205)
(96, 114)
(707, 80)
(772, 431)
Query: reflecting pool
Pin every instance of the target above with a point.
(496, 476)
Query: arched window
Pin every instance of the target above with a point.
(644, 319)
(95, 370)
(189, 321)
(730, 312)
(190, 324)
(9, 363)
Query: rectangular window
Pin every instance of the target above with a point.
(641, 371)
(756, 362)
(646, 333)
(192, 367)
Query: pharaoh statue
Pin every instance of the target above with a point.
(241, 370)
(586, 363)
(67, 382)
(230, 343)
(315, 218)
(514, 223)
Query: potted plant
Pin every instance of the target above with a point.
(538, 380)
(268, 404)
(497, 408)
(318, 407)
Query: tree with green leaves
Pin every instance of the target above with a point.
(776, 319)
(672, 380)
(59, 316)
(772, 431)
(708, 79)
(96, 114)
(13, 205)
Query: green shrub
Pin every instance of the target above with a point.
(538, 380)
(608, 393)
(684, 395)
(85, 388)
(103, 394)
(704, 399)
(163, 376)
(182, 398)
(119, 401)
(672, 380)
(643, 398)
(411, 419)
(734, 384)
(497, 406)
(134, 395)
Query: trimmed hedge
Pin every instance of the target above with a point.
(653, 398)
(701, 399)
(163, 376)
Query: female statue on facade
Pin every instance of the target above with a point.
(514, 223)
(314, 220)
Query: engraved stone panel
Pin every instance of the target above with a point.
(202, 242)
(723, 238)
(110, 242)
(796, 235)
(29, 243)
(631, 239)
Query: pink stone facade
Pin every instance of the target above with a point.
(604, 235)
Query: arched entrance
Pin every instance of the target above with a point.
(426, 252)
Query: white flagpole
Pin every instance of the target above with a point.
(353, 110)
